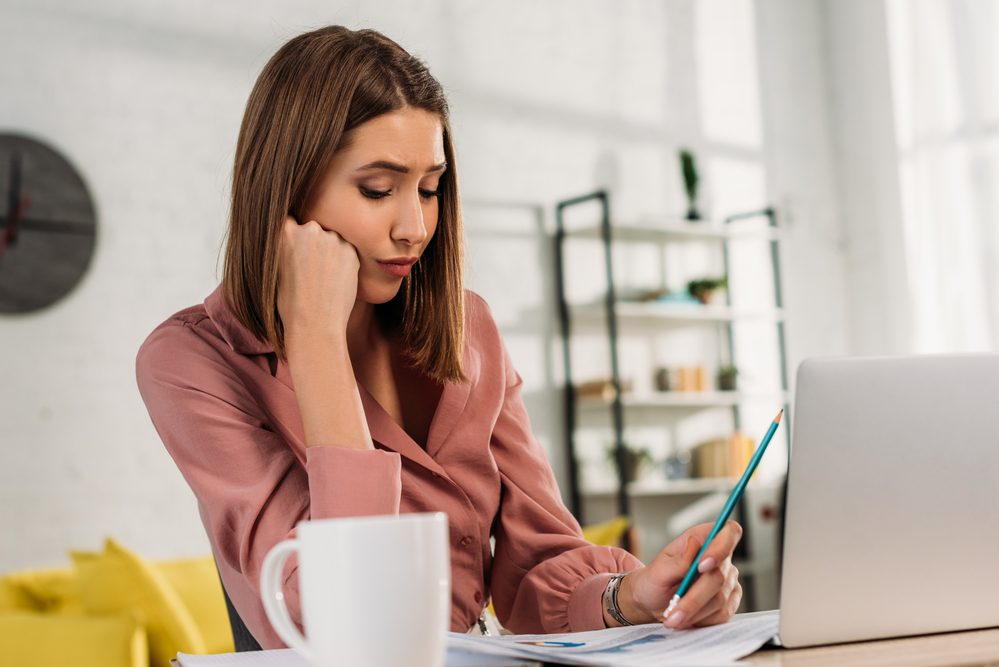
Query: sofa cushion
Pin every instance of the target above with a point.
(51, 590)
(120, 580)
(608, 533)
(57, 640)
(197, 583)
(14, 598)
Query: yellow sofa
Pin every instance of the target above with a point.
(112, 608)
(115, 608)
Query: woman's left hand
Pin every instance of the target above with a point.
(714, 596)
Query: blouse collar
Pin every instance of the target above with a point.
(239, 338)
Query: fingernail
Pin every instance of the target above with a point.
(706, 564)
(675, 618)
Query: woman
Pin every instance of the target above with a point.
(341, 368)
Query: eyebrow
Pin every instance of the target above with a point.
(401, 168)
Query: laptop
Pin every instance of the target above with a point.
(892, 511)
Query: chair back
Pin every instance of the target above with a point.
(241, 636)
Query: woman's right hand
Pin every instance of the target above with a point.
(317, 279)
(317, 289)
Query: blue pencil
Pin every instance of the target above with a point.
(726, 512)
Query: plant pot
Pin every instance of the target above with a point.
(661, 379)
(632, 463)
(704, 296)
(726, 382)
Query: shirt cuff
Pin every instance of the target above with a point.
(586, 606)
(353, 482)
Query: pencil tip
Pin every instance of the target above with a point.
(779, 415)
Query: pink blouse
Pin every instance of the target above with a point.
(226, 411)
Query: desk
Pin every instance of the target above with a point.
(973, 647)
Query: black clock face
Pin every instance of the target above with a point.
(47, 225)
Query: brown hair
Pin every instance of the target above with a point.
(317, 87)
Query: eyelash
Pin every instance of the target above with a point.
(378, 194)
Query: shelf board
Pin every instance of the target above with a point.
(668, 487)
(653, 310)
(675, 231)
(682, 399)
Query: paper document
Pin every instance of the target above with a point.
(635, 646)
(286, 657)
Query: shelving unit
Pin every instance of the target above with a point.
(614, 315)
(679, 399)
(672, 487)
(676, 314)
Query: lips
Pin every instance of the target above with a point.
(398, 268)
(407, 261)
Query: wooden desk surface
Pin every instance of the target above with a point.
(974, 647)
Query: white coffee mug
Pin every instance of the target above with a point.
(375, 591)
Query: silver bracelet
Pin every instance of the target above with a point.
(610, 599)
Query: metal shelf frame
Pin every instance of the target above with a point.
(611, 310)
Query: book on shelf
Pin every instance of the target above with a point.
(723, 457)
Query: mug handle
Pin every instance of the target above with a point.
(273, 598)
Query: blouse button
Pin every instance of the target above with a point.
(478, 597)
(465, 541)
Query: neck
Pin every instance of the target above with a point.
(371, 351)
(362, 328)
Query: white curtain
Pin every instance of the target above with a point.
(945, 87)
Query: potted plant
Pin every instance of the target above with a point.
(634, 461)
(688, 166)
(703, 289)
(726, 377)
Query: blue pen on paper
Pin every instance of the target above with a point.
(726, 512)
(554, 643)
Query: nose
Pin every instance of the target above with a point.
(410, 227)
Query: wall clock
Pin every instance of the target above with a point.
(47, 225)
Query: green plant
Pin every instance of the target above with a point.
(688, 166)
(634, 460)
(702, 288)
(690, 179)
(726, 377)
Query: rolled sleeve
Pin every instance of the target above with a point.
(586, 603)
(353, 482)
